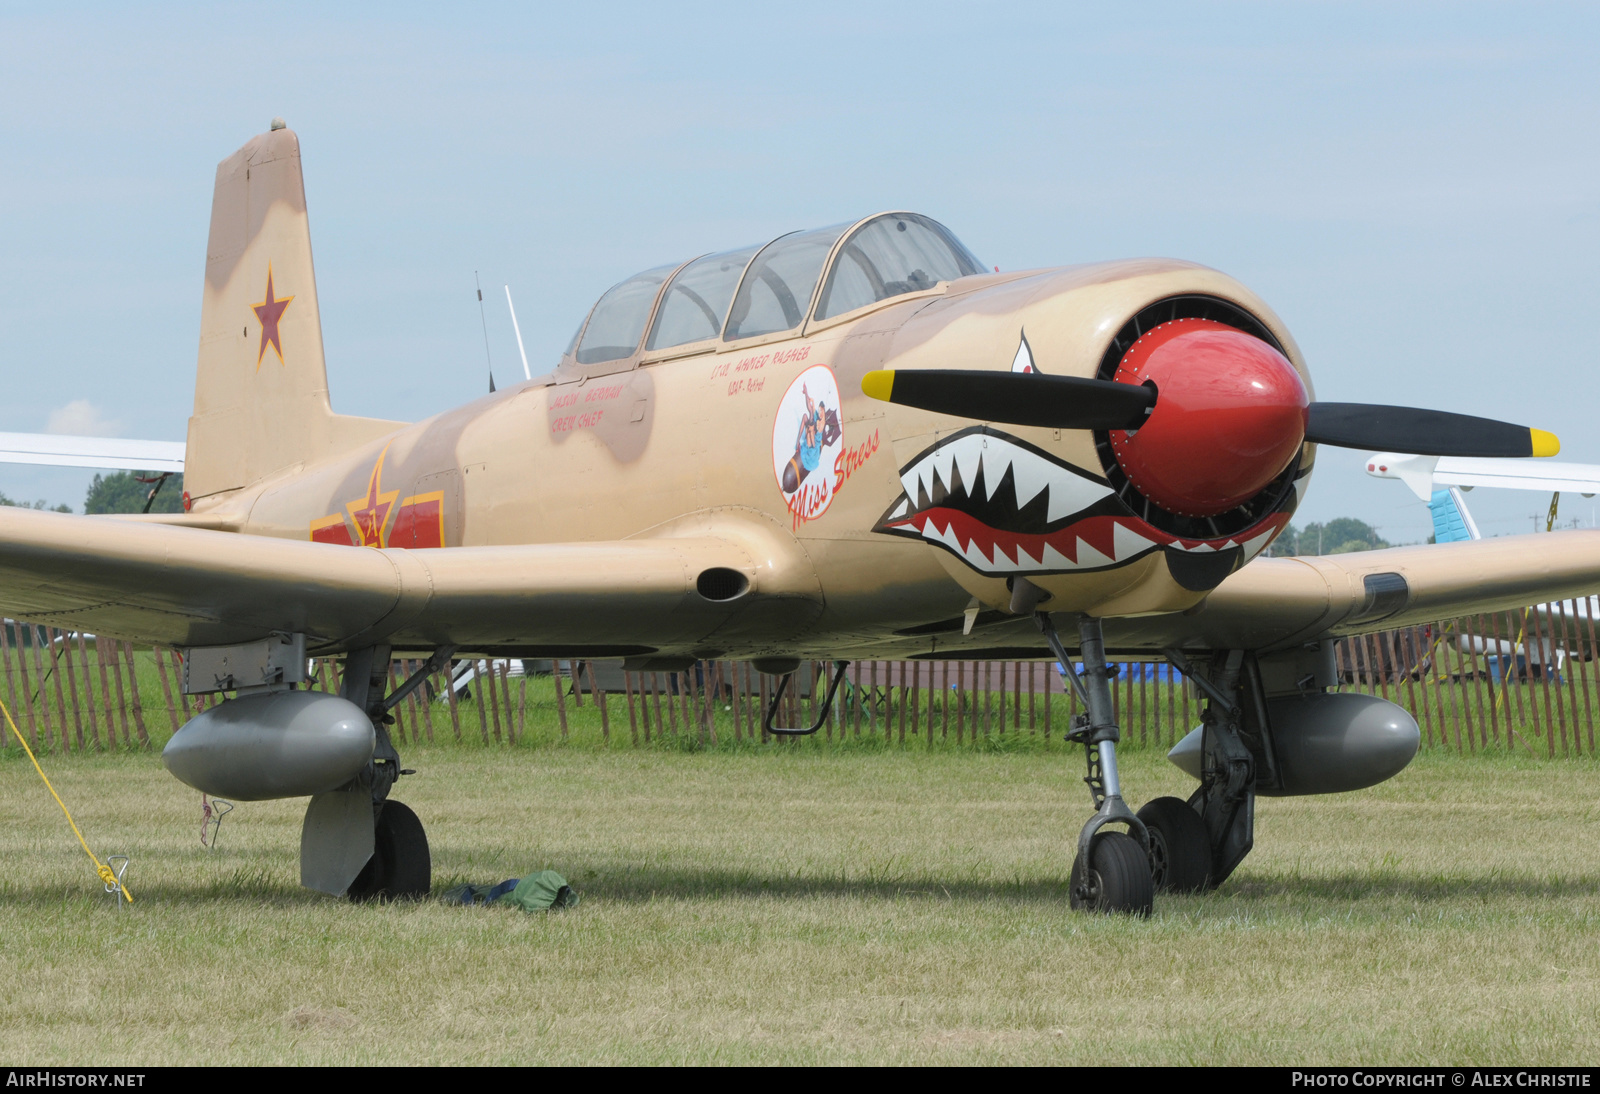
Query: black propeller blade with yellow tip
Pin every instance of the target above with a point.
(1423, 432)
(1015, 398)
(1075, 402)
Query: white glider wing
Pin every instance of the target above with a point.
(113, 453)
(1423, 474)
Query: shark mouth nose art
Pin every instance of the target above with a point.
(1005, 507)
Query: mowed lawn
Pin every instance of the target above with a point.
(792, 905)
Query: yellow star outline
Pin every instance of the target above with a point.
(371, 514)
(270, 312)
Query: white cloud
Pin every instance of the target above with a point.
(80, 418)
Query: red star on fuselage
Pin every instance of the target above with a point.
(269, 312)
(371, 514)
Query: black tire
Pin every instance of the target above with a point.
(1117, 878)
(1180, 849)
(400, 867)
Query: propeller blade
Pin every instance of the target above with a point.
(1423, 432)
(1015, 398)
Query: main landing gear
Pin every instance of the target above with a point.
(1168, 846)
(355, 841)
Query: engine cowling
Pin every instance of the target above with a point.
(281, 744)
(1326, 743)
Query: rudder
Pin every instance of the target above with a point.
(261, 386)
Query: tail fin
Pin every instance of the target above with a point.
(261, 390)
(1451, 521)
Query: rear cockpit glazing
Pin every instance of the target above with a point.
(695, 304)
(755, 291)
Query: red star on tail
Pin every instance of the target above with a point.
(270, 311)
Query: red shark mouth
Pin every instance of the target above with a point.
(1005, 507)
(1094, 543)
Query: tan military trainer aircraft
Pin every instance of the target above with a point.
(846, 443)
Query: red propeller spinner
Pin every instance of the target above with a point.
(1229, 415)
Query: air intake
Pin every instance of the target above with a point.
(720, 583)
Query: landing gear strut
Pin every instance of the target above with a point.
(356, 841)
(1111, 871)
(1226, 800)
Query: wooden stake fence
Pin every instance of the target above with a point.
(1525, 680)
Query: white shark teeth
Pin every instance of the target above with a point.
(968, 457)
(1126, 542)
(1031, 473)
(1055, 560)
(1089, 558)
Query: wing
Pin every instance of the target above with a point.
(1277, 602)
(184, 586)
(1423, 474)
(108, 452)
(1518, 474)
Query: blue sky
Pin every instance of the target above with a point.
(1415, 188)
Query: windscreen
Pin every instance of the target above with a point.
(889, 256)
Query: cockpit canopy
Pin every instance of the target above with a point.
(756, 291)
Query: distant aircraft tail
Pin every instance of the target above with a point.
(261, 390)
(1451, 521)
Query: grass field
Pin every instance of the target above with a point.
(807, 906)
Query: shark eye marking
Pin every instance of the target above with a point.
(1023, 361)
(1006, 507)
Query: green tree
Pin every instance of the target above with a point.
(40, 504)
(1287, 543)
(1339, 536)
(122, 492)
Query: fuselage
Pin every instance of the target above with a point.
(771, 440)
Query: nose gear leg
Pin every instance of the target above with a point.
(1111, 870)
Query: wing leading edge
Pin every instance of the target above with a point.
(185, 586)
(1278, 602)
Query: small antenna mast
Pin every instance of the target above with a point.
(525, 373)
(485, 322)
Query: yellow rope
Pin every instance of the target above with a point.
(105, 872)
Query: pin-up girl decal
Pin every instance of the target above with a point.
(805, 437)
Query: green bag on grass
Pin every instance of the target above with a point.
(535, 893)
(540, 892)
